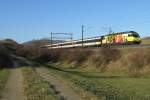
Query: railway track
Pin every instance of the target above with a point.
(118, 46)
(111, 46)
(132, 46)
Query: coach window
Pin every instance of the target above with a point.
(129, 35)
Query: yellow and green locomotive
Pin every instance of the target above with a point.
(129, 37)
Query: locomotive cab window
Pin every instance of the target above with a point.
(135, 35)
(129, 35)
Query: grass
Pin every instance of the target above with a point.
(4, 73)
(35, 87)
(105, 86)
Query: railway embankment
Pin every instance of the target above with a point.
(133, 61)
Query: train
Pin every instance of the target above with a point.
(120, 38)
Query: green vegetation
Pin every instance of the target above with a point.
(35, 87)
(105, 86)
(4, 73)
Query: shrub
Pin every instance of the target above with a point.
(46, 56)
(104, 56)
(5, 58)
(137, 61)
(109, 54)
(10, 45)
(76, 55)
(26, 52)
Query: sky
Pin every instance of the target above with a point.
(24, 20)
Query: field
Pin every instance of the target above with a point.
(104, 86)
(146, 41)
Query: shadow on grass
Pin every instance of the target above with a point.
(84, 74)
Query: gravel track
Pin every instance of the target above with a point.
(63, 89)
(14, 87)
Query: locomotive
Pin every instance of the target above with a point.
(129, 37)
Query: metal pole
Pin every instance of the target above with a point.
(82, 34)
(71, 36)
(110, 30)
(51, 39)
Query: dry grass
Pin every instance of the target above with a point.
(135, 63)
(86, 57)
(138, 61)
(77, 56)
(103, 57)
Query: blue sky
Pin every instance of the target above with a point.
(24, 20)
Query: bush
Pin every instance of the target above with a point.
(5, 58)
(109, 54)
(46, 56)
(10, 45)
(137, 61)
(104, 56)
(77, 55)
(26, 52)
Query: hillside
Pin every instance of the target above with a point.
(9, 45)
(146, 40)
(41, 42)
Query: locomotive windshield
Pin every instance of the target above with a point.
(134, 34)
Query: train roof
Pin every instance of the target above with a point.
(122, 33)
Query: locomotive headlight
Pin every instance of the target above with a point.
(138, 40)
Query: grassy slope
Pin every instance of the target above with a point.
(35, 87)
(106, 86)
(3, 78)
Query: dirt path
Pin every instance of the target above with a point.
(14, 87)
(64, 90)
